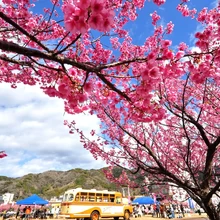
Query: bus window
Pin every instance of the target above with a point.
(118, 200)
(70, 198)
(91, 197)
(105, 197)
(112, 198)
(99, 197)
(77, 197)
(83, 196)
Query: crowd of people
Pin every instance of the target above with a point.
(160, 210)
(42, 212)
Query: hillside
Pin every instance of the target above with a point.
(54, 183)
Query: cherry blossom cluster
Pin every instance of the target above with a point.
(80, 16)
(2, 154)
(186, 12)
(159, 2)
(155, 102)
(155, 18)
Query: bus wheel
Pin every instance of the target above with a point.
(116, 218)
(126, 215)
(94, 215)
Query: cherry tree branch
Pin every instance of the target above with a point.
(213, 190)
(149, 168)
(188, 161)
(69, 45)
(15, 48)
(11, 60)
(203, 100)
(15, 25)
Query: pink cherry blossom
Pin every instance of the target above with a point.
(95, 21)
(154, 72)
(97, 6)
(2, 154)
(159, 2)
(170, 27)
(83, 4)
(155, 18)
(157, 102)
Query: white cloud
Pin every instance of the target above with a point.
(195, 49)
(199, 28)
(215, 3)
(34, 137)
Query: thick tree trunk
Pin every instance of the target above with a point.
(212, 212)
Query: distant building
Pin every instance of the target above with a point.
(56, 202)
(56, 199)
(7, 198)
(160, 191)
(178, 194)
(1, 200)
(168, 192)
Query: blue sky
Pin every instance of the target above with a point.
(31, 124)
(184, 28)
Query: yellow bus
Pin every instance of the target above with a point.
(94, 204)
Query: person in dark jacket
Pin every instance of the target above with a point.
(17, 212)
(182, 209)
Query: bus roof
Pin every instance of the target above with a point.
(91, 190)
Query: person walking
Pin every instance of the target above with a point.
(154, 210)
(57, 211)
(53, 212)
(27, 213)
(158, 210)
(139, 211)
(17, 212)
(172, 210)
(182, 209)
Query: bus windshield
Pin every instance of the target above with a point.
(68, 197)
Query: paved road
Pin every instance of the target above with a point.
(193, 216)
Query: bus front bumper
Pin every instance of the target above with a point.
(63, 216)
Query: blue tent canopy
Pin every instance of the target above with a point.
(32, 200)
(143, 201)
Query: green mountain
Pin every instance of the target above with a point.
(54, 183)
